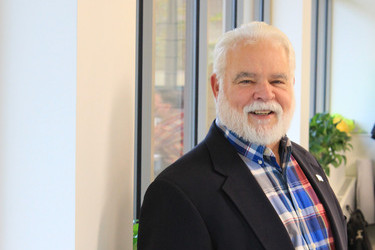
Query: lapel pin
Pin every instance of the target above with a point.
(319, 178)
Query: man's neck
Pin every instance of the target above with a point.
(275, 149)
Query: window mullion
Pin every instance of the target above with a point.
(148, 59)
(202, 71)
(229, 20)
(190, 90)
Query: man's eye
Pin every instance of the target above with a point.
(277, 82)
(246, 81)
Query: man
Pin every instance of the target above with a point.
(246, 186)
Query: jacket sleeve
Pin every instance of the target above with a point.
(169, 220)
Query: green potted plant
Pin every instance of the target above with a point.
(329, 138)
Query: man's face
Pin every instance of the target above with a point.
(256, 98)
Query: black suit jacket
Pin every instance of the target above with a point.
(209, 199)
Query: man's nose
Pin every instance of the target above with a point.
(264, 91)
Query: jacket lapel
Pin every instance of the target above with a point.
(246, 194)
(320, 184)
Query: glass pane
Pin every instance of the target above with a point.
(215, 28)
(246, 12)
(169, 73)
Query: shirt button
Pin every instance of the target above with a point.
(260, 162)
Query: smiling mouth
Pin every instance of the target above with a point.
(262, 112)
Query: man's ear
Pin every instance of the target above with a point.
(215, 85)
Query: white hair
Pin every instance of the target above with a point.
(249, 33)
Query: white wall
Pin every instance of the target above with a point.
(353, 60)
(37, 124)
(66, 124)
(105, 124)
(293, 17)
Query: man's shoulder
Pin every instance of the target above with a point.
(197, 160)
(298, 148)
(193, 174)
(193, 162)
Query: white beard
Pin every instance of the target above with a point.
(262, 133)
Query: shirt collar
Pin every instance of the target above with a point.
(255, 151)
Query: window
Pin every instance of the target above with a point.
(176, 39)
(321, 51)
(169, 83)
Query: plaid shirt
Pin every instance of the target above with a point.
(288, 190)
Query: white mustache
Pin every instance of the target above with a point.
(258, 105)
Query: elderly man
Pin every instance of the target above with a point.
(246, 186)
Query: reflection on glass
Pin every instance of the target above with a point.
(169, 76)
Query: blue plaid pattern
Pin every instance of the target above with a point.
(288, 190)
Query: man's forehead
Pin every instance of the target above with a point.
(246, 74)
